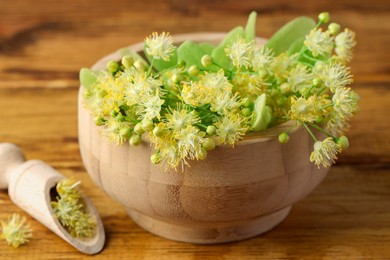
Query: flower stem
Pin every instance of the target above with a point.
(326, 106)
(310, 132)
(150, 67)
(321, 129)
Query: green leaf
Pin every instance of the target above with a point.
(293, 30)
(263, 114)
(160, 65)
(250, 28)
(219, 56)
(296, 46)
(207, 47)
(191, 53)
(87, 77)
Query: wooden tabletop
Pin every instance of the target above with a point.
(44, 43)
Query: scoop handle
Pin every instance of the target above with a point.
(11, 157)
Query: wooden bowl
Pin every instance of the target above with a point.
(234, 194)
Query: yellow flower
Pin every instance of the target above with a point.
(231, 128)
(336, 124)
(160, 46)
(325, 152)
(345, 101)
(304, 110)
(262, 58)
(181, 118)
(16, 232)
(345, 42)
(300, 78)
(319, 43)
(241, 53)
(335, 75)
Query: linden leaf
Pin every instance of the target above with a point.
(293, 30)
(250, 28)
(87, 77)
(263, 114)
(219, 55)
(191, 53)
(296, 46)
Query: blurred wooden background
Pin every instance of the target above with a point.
(44, 43)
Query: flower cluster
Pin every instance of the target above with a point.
(69, 210)
(15, 231)
(196, 96)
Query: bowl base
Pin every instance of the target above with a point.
(213, 233)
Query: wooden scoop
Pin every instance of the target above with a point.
(29, 184)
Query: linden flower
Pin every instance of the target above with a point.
(336, 124)
(160, 46)
(345, 101)
(181, 118)
(325, 152)
(231, 128)
(190, 142)
(216, 81)
(70, 212)
(335, 76)
(224, 102)
(241, 53)
(319, 43)
(300, 79)
(303, 110)
(262, 58)
(345, 41)
(150, 106)
(15, 231)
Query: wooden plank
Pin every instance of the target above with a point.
(333, 222)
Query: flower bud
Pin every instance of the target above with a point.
(203, 154)
(246, 102)
(283, 138)
(210, 129)
(209, 144)
(343, 142)
(125, 132)
(127, 61)
(158, 131)
(193, 71)
(206, 60)
(138, 129)
(334, 28)
(155, 158)
(112, 66)
(113, 113)
(135, 140)
(246, 111)
(98, 120)
(120, 118)
(285, 88)
(147, 125)
(139, 65)
(324, 17)
(316, 82)
(175, 78)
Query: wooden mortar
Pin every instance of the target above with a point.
(234, 194)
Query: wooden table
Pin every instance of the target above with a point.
(44, 43)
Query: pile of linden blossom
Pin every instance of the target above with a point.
(191, 98)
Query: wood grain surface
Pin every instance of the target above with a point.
(44, 43)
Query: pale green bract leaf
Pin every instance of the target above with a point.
(250, 28)
(87, 77)
(293, 30)
(219, 55)
(207, 47)
(262, 112)
(296, 46)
